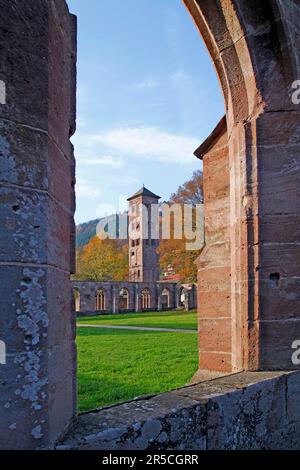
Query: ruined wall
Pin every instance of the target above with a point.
(252, 45)
(37, 64)
(242, 411)
(214, 263)
(87, 291)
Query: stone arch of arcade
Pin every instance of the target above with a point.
(256, 55)
(121, 297)
(100, 300)
(146, 299)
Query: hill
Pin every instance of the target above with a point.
(85, 232)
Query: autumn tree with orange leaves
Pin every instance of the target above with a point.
(173, 252)
(102, 260)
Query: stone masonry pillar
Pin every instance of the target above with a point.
(137, 298)
(172, 299)
(115, 299)
(159, 302)
(37, 118)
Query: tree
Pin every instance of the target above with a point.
(102, 260)
(173, 252)
(191, 192)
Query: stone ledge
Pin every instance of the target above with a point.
(248, 410)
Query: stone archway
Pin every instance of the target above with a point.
(180, 297)
(146, 299)
(165, 299)
(253, 47)
(124, 299)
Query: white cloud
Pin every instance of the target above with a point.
(148, 83)
(155, 105)
(80, 123)
(85, 189)
(87, 153)
(150, 143)
(180, 77)
(105, 160)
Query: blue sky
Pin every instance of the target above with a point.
(147, 97)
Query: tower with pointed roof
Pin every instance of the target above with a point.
(143, 257)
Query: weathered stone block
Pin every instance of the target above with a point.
(28, 236)
(237, 412)
(283, 228)
(37, 398)
(23, 63)
(214, 304)
(40, 370)
(272, 129)
(280, 301)
(276, 338)
(215, 361)
(23, 156)
(215, 335)
(292, 391)
(23, 220)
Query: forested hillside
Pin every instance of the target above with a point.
(85, 232)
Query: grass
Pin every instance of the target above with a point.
(118, 365)
(171, 319)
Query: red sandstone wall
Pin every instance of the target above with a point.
(214, 262)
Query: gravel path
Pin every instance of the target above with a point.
(138, 328)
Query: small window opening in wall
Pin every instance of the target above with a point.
(274, 279)
(16, 208)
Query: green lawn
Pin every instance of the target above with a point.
(172, 319)
(118, 365)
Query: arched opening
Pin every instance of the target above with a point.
(77, 303)
(228, 298)
(165, 299)
(181, 298)
(100, 300)
(124, 298)
(146, 299)
(262, 125)
(240, 181)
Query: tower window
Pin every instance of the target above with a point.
(274, 279)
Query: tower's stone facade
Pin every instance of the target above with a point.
(143, 257)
